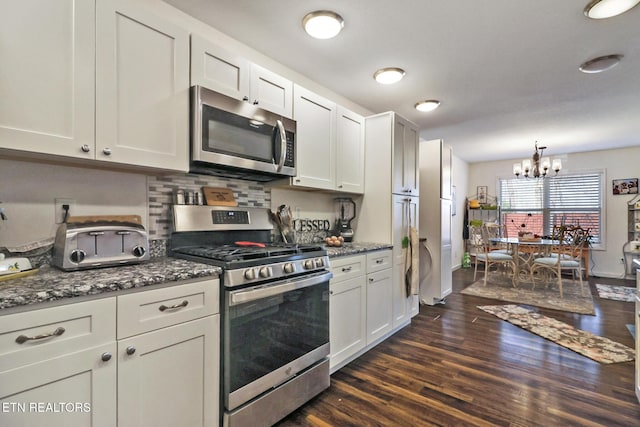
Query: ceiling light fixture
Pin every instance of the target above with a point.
(537, 166)
(322, 24)
(387, 76)
(428, 105)
(600, 64)
(602, 9)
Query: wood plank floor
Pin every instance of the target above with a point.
(456, 365)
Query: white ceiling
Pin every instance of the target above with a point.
(506, 71)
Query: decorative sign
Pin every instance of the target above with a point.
(310, 225)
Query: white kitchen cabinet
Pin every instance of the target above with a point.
(405, 157)
(405, 209)
(47, 77)
(142, 87)
(150, 357)
(348, 309)
(316, 119)
(379, 305)
(169, 356)
(330, 144)
(55, 357)
(225, 72)
(349, 152)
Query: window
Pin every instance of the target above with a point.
(536, 205)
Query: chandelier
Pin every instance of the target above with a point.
(537, 166)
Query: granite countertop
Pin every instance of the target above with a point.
(51, 284)
(355, 248)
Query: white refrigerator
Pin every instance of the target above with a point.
(435, 222)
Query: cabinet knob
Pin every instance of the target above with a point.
(255, 102)
(371, 279)
(85, 148)
(245, 98)
(106, 356)
(130, 350)
(106, 151)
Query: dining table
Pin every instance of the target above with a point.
(524, 252)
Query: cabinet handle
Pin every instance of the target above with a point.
(130, 350)
(346, 269)
(245, 98)
(85, 148)
(379, 261)
(174, 307)
(340, 186)
(106, 357)
(371, 279)
(255, 102)
(23, 338)
(106, 151)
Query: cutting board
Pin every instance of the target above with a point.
(215, 196)
(135, 219)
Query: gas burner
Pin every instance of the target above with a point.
(233, 253)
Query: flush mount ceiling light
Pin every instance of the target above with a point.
(387, 76)
(428, 105)
(600, 64)
(322, 24)
(602, 9)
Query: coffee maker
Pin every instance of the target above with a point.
(345, 209)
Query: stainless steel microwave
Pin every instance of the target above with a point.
(238, 139)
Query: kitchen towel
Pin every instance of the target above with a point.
(411, 263)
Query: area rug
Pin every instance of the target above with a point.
(597, 348)
(499, 287)
(617, 293)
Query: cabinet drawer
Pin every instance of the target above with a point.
(379, 260)
(41, 334)
(149, 310)
(348, 267)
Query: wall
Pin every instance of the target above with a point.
(618, 163)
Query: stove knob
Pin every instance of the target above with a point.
(264, 272)
(77, 255)
(139, 251)
(319, 262)
(308, 264)
(288, 268)
(250, 274)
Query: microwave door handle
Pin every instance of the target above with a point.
(283, 144)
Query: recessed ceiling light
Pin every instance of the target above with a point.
(322, 24)
(600, 64)
(601, 9)
(388, 76)
(428, 105)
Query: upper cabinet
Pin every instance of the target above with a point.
(114, 88)
(330, 144)
(405, 157)
(142, 87)
(47, 77)
(223, 71)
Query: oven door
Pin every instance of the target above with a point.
(271, 333)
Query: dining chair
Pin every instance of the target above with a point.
(565, 256)
(487, 255)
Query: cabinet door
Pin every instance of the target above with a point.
(379, 305)
(170, 377)
(142, 87)
(271, 91)
(404, 209)
(405, 157)
(77, 389)
(315, 139)
(350, 152)
(347, 324)
(218, 69)
(47, 77)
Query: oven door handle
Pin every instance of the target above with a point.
(248, 295)
(279, 129)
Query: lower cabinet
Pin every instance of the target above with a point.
(146, 358)
(361, 305)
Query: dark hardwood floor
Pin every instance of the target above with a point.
(456, 365)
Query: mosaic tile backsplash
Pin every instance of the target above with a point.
(162, 189)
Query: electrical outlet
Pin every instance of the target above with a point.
(59, 211)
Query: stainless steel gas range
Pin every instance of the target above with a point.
(275, 317)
